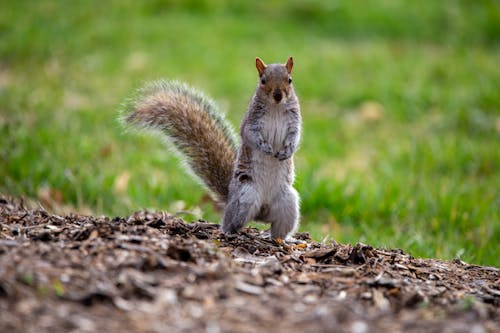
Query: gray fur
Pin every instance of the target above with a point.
(193, 126)
(255, 181)
(262, 184)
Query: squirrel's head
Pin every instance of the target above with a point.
(275, 79)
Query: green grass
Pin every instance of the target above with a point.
(400, 100)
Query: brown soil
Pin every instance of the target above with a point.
(152, 272)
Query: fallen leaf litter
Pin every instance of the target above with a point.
(153, 272)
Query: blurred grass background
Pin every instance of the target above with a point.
(400, 100)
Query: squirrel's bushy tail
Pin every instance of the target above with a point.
(193, 125)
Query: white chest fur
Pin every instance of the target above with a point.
(275, 126)
(268, 172)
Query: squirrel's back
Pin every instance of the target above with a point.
(193, 126)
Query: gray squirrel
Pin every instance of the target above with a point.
(254, 181)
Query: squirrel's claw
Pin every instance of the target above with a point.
(284, 154)
(265, 148)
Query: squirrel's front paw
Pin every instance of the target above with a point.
(284, 154)
(265, 148)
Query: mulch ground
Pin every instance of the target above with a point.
(153, 272)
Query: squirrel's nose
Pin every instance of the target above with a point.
(277, 95)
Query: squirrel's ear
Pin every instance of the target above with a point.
(289, 65)
(260, 65)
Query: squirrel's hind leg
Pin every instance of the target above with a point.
(242, 207)
(284, 213)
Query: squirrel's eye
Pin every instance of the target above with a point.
(289, 80)
(263, 81)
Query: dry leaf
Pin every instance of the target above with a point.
(121, 182)
(371, 111)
